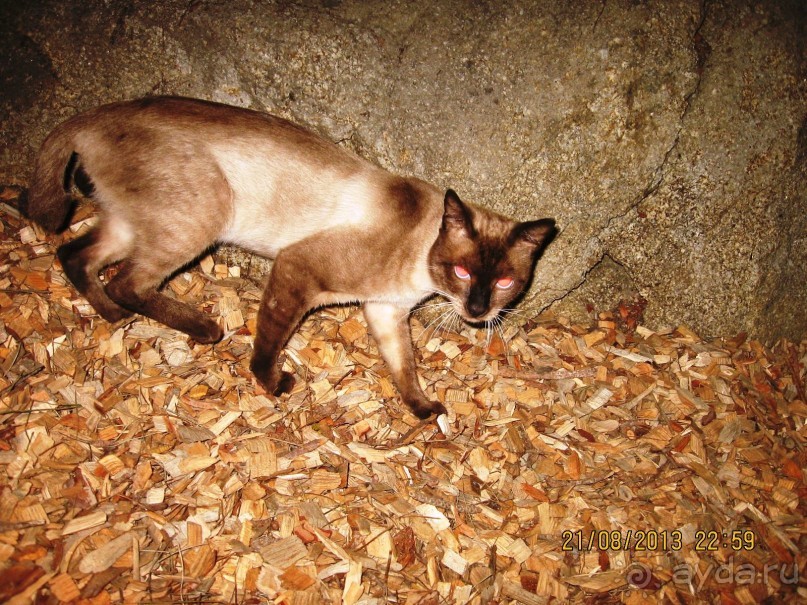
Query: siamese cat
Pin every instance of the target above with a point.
(173, 177)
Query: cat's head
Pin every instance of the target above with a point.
(481, 261)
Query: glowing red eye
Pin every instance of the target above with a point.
(461, 272)
(504, 283)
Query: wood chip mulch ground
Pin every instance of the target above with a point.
(578, 464)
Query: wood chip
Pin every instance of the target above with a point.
(90, 521)
(64, 588)
(285, 552)
(104, 557)
(136, 461)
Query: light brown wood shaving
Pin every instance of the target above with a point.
(139, 466)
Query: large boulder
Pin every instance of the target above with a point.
(668, 139)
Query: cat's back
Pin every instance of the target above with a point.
(284, 182)
(158, 123)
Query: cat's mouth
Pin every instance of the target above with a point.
(476, 320)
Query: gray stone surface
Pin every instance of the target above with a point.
(669, 139)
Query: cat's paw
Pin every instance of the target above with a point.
(271, 379)
(207, 332)
(113, 313)
(423, 408)
(284, 385)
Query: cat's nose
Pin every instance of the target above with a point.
(476, 310)
(477, 304)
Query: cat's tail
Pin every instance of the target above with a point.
(48, 201)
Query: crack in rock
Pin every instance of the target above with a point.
(702, 51)
(584, 277)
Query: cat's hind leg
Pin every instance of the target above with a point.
(83, 257)
(176, 217)
(136, 287)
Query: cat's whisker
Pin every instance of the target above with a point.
(430, 307)
(438, 305)
(448, 320)
(517, 312)
(445, 321)
(434, 328)
(499, 327)
(429, 325)
(449, 301)
(513, 315)
(456, 323)
(441, 292)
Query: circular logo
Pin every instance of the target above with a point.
(639, 575)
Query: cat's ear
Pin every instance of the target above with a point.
(535, 234)
(457, 217)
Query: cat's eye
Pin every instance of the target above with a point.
(461, 272)
(504, 283)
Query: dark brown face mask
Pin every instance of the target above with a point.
(482, 261)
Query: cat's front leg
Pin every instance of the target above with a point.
(390, 327)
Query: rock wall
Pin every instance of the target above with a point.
(668, 139)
